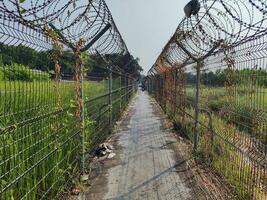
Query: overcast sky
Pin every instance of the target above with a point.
(146, 25)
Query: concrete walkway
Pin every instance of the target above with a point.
(150, 164)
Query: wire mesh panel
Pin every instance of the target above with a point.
(104, 108)
(219, 91)
(234, 95)
(56, 102)
(39, 137)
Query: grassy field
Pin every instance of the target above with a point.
(240, 125)
(234, 163)
(246, 108)
(40, 136)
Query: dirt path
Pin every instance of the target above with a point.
(152, 162)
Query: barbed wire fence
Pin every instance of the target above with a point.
(213, 75)
(61, 92)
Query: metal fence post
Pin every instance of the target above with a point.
(175, 92)
(110, 99)
(79, 79)
(127, 81)
(165, 94)
(149, 85)
(196, 132)
(158, 88)
(120, 95)
(82, 119)
(153, 86)
(125, 88)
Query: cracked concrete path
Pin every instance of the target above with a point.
(147, 165)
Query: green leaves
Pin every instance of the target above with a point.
(73, 103)
(22, 11)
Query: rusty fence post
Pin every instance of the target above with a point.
(110, 85)
(120, 94)
(175, 92)
(196, 131)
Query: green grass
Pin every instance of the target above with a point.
(226, 159)
(240, 120)
(243, 97)
(247, 108)
(40, 137)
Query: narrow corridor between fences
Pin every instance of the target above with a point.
(152, 161)
(69, 86)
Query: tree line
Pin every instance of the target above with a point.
(29, 58)
(220, 77)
